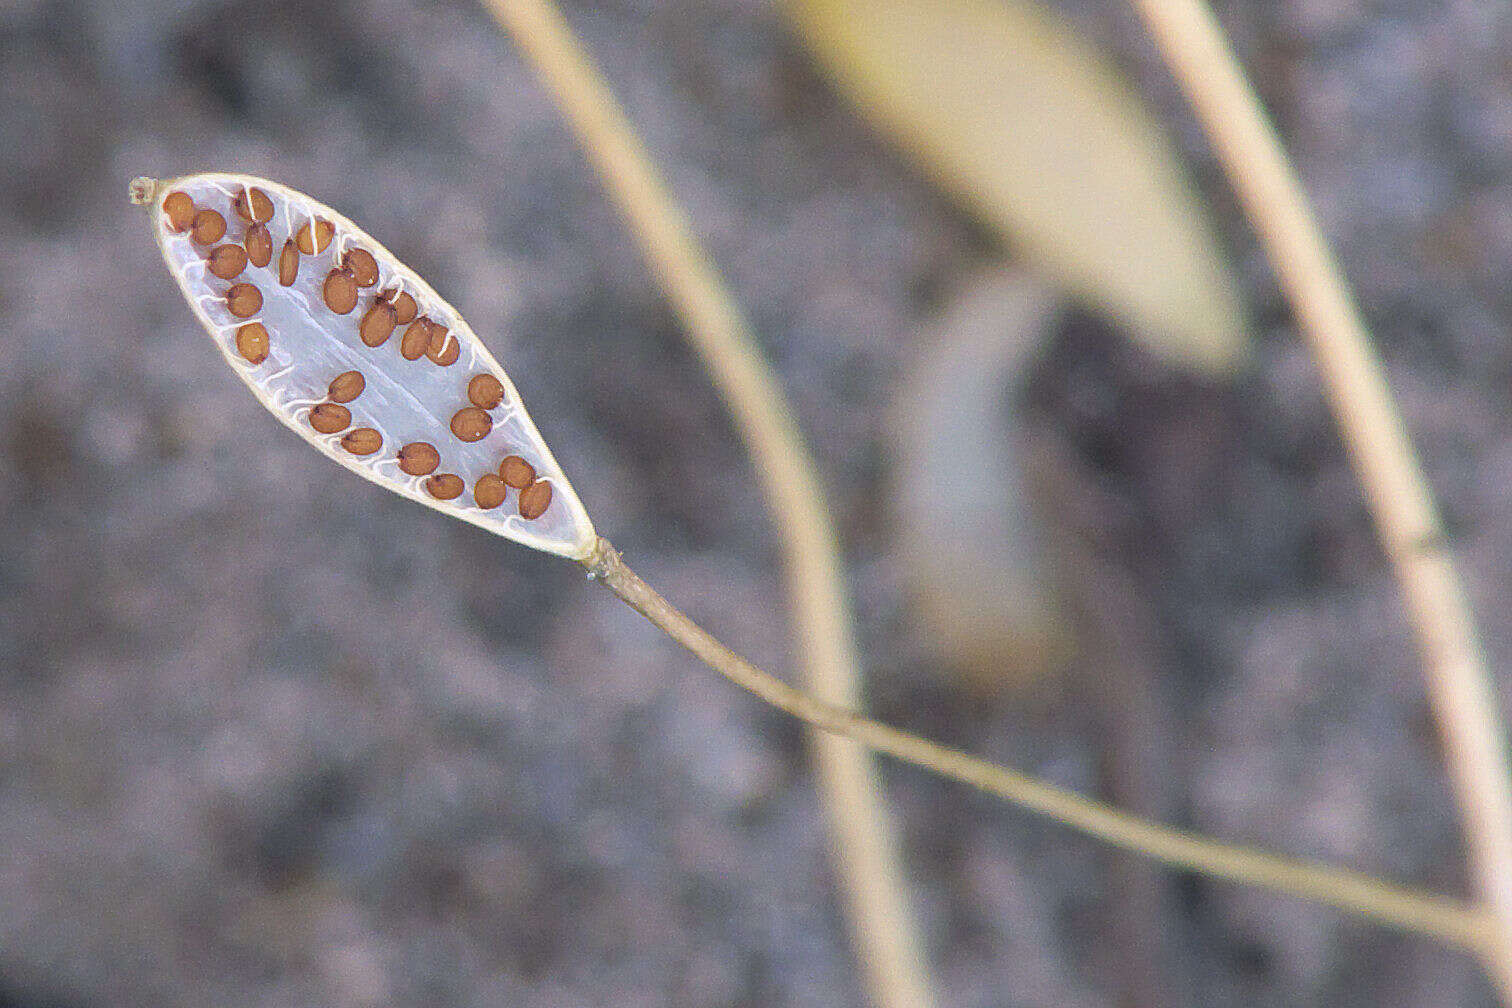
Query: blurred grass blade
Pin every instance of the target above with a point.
(1029, 126)
(974, 562)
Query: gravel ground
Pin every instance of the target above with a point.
(269, 736)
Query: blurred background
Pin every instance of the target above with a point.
(270, 736)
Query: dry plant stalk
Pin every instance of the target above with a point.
(863, 839)
(1459, 685)
(290, 362)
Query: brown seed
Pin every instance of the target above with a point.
(445, 486)
(489, 491)
(288, 264)
(208, 228)
(253, 206)
(485, 391)
(419, 458)
(347, 386)
(404, 308)
(360, 263)
(252, 342)
(328, 418)
(443, 348)
(517, 472)
(227, 261)
(244, 300)
(377, 325)
(471, 424)
(179, 209)
(362, 441)
(311, 244)
(416, 339)
(535, 499)
(340, 292)
(259, 245)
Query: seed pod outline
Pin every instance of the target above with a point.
(564, 529)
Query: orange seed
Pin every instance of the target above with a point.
(362, 441)
(485, 391)
(253, 206)
(377, 325)
(328, 418)
(360, 263)
(312, 243)
(471, 424)
(288, 264)
(252, 342)
(179, 209)
(445, 486)
(340, 292)
(404, 308)
(347, 386)
(259, 245)
(226, 261)
(208, 227)
(517, 472)
(489, 491)
(244, 300)
(443, 348)
(535, 499)
(416, 339)
(419, 458)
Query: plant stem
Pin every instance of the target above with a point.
(1407, 521)
(1440, 916)
(864, 847)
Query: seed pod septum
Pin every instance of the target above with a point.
(404, 401)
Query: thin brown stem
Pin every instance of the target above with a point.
(1439, 916)
(1459, 685)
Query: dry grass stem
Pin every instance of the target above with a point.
(1459, 685)
(866, 857)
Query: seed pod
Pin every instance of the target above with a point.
(226, 261)
(340, 292)
(253, 206)
(445, 486)
(416, 339)
(259, 245)
(288, 355)
(535, 499)
(419, 459)
(489, 491)
(377, 325)
(360, 263)
(208, 228)
(328, 418)
(288, 264)
(362, 441)
(516, 472)
(244, 300)
(252, 342)
(315, 242)
(346, 386)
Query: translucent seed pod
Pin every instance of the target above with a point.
(399, 429)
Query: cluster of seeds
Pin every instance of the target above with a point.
(354, 275)
(469, 424)
(333, 416)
